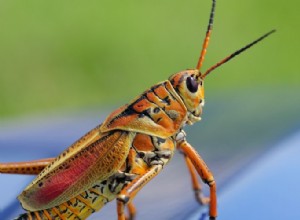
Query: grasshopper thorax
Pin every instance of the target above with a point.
(189, 86)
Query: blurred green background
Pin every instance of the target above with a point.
(70, 55)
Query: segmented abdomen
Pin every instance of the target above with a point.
(79, 207)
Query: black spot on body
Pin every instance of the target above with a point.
(167, 100)
(141, 115)
(85, 195)
(172, 81)
(141, 154)
(181, 79)
(147, 113)
(41, 213)
(160, 140)
(62, 211)
(156, 110)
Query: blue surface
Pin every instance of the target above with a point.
(269, 189)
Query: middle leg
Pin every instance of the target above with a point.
(127, 194)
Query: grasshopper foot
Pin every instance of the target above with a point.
(200, 198)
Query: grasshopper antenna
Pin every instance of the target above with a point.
(236, 53)
(207, 36)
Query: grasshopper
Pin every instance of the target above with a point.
(120, 156)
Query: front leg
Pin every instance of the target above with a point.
(201, 199)
(203, 171)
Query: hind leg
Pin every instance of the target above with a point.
(28, 167)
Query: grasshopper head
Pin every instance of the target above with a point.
(189, 86)
(189, 83)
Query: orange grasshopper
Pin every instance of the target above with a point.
(120, 156)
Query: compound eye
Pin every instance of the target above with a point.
(191, 84)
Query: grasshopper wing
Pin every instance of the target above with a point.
(94, 157)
